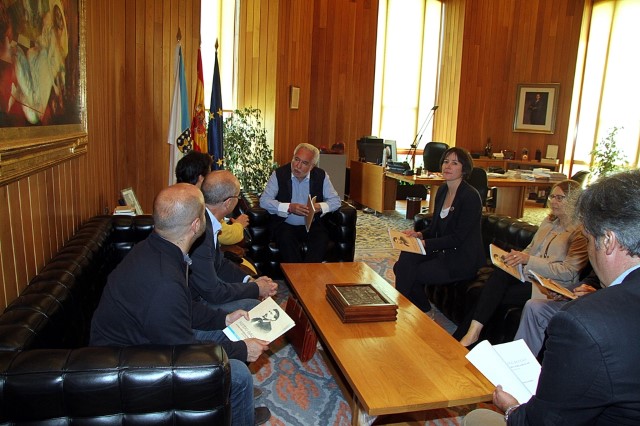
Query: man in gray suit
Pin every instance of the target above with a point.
(590, 373)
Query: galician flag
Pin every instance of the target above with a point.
(179, 132)
(215, 118)
(198, 122)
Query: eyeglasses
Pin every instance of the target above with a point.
(232, 196)
(557, 197)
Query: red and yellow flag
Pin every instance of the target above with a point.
(198, 123)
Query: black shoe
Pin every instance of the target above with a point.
(262, 415)
(257, 393)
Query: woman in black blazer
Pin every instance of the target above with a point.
(452, 241)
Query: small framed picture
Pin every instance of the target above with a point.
(294, 97)
(536, 107)
(131, 200)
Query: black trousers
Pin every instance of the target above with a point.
(414, 272)
(500, 289)
(289, 239)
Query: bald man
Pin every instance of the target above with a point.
(147, 299)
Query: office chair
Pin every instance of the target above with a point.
(581, 177)
(478, 179)
(432, 154)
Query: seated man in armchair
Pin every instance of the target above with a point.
(285, 198)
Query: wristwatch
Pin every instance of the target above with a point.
(510, 410)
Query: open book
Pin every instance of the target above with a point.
(312, 211)
(548, 283)
(497, 258)
(511, 365)
(403, 242)
(267, 321)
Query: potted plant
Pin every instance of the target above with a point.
(246, 151)
(607, 157)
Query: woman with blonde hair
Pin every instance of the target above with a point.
(558, 251)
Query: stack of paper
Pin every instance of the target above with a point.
(511, 365)
(557, 176)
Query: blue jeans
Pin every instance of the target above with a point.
(242, 408)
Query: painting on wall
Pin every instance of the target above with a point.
(42, 84)
(536, 106)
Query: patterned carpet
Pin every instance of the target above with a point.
(312, 393)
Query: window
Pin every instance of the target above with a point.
(408, 50)
(610, 89)
(218, 21)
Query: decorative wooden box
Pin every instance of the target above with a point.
(360, 303)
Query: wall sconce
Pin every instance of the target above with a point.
(294, 97)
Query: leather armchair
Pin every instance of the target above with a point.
(265, 254)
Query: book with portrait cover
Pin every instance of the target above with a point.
(403, 242)
(497, 258)
(550, 284)
(267, 321)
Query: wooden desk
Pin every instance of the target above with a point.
(411, 364)
(511, 192)
(486, 162)
(370, 187)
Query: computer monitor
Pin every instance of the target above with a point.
(370, 149)
(392, 150)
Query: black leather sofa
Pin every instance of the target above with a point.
(265, 254)
(459, 298)
(49, 376)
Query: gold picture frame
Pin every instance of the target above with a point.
(43, 118)
(536, 108)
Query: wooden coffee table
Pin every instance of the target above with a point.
(408, 365)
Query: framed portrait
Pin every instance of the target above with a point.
(42, 85)
(536, 107)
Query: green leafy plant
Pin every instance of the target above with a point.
(607, 157)
(246, 151)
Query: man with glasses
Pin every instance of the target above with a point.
(285, 198)
(214, 278)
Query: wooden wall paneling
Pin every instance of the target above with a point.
(156, 130)
(263, 55)
(26, 227)
(137, 155)
(17, 238)
(270, 83)
(167, 49)
(45, 214)
(37, 219)
(506, 43)
(7, 248)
